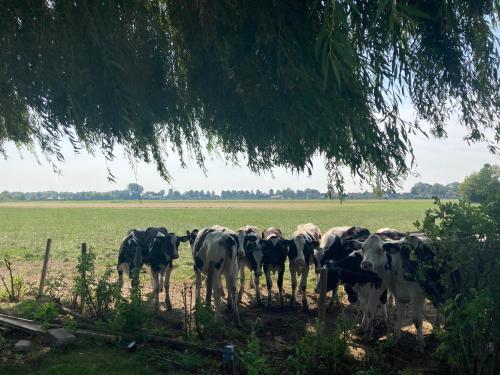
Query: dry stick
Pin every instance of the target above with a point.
(44, 268)
(323, 277)
(88, 298)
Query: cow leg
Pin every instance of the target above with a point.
(242, 282)
(369, 312)
(293, 274)
(217, 297)
(168, 272)
(303, 287)
(399, 317)
(439, 321)
(162, 278)
(222, 293)
(156, 288)
(417, 317)
(250, 281)
(334, 301)
(281, 272)
(269, 284)
(231, 280)
(257, 289)
(197, 289)
(122, 268)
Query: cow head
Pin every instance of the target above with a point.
(250, 246)
(374, 253)
(192, 237)
(274, 246)
(168, 244)
(304, 247)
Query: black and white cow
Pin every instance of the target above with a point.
(192, 237)
(214, 245)
(303, 242)
(158, 249)
(385, 259)
(274, 253)
(249, 245)
(199, 262)
(338, 254)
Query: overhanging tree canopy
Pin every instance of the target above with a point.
(277, 81)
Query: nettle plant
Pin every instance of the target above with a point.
(467, 238)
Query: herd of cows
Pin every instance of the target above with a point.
(369, 266)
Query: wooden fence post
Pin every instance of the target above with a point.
(210, 283)
(84, 248)
(323, 278)
(44, 267)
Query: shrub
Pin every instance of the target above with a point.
(43, 312)
(98, 294)
(253, 360)
(467, 238)
(318, 352)
(130, 315)
(14, 285)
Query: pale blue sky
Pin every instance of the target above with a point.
(440, 161)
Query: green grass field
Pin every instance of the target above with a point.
(25, 226)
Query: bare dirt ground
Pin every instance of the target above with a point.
(280, 329)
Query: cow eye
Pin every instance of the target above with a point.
(379, 251)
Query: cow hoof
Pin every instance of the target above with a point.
(168, 306)
(292, 304)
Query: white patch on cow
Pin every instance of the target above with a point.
(274, 239)
(160, 234)
(300, 242)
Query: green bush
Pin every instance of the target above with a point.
(320, 352)
(253, 360)
(43, 312)
(130, 315)
(467, 238)
(98, 294)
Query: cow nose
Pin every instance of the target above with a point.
(300, 262)
(366, 266)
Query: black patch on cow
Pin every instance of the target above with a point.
(383, 297)
(388, 262)
(198, 263)
(229, 244)
(201, 240)
(218, 265)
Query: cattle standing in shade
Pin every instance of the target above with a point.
(385, 260)
(219, 248)
(249, 244)
(338, 254)
(274, 251)
(199, 261)
(303, 242)
(158, 249)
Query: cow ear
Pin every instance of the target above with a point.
(355, 244)
(356, 253)
(390, 247)
(183, 238)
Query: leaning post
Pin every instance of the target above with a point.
(323, 277)
(44, 267)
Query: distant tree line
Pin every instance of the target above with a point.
(135, 191)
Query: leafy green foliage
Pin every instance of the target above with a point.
(321, 352)
(130, 315)
(14, 286)
(98, 294)
(276, 82)
(467, 238)
(44, 312)
(253, 360)
(482, 186)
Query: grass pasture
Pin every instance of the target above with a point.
(25, 226)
